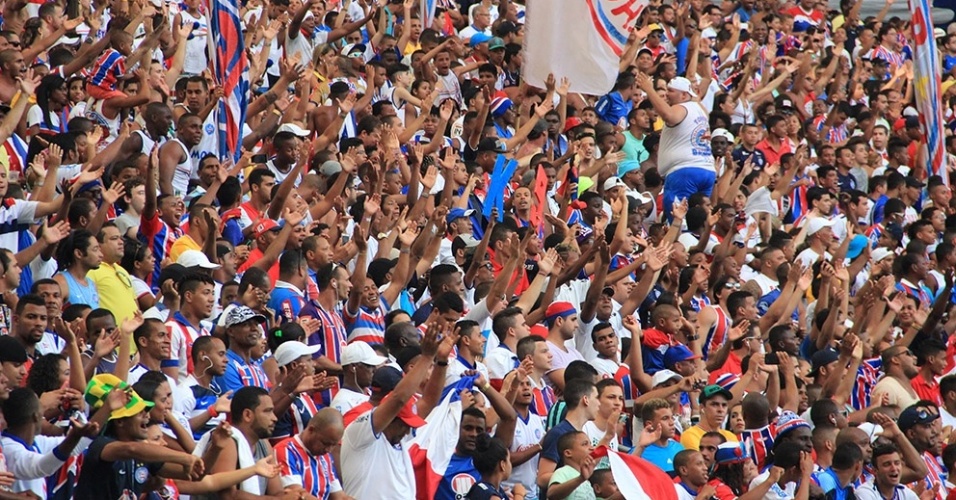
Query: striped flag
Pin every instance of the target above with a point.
(428, 12)
(540, 199)
(434, 444)
(926, 83)
(579, 39)
(231, 71)
(636, 478)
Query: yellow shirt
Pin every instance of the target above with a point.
(183, 243)
(116, 290)
(690, 438)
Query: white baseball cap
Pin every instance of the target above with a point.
(880, 254)
(613, 182)
(294, 130)
(361, 352)
(293, 350)
(663, 376)
(195, 258)
(818, 223)
(681, 84)
(722, 132)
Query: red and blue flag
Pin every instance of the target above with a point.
(231, 71)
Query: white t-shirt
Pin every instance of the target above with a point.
(303, 45)
(606, 367)
(527, 434)
(868, 491)
(371, 466)
(500, 361)
(596, 435)
(456, 369)
(35, 117)
(808, 256)
(50, 344)
(346, 399)
(767, 284)
(32, 466)
(775, 492)
(561, 358)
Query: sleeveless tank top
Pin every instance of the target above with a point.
(686, 145)
(184, 170)
(80, 294)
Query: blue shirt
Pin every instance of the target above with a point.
(662, 456)
(286, 301)
(458, 479)
(878, 207)
(549, 445)
(830, 484)
(613, 108)
(240, 374)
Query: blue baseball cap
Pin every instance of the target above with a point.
(478, 38)
(458, 213)
(676, 354)
(856, 246)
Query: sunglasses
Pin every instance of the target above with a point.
(734, 286)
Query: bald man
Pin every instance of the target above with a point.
(305, 460)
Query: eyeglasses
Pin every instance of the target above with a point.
(123, 277)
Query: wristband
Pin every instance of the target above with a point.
(212, 412)
(441, 363)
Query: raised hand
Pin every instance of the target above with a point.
(546, 263)
(114, 193)
(650, 435)
(739, 331)
(431, 341)
(55, 233)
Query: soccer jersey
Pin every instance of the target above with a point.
(299, 467)
(331, 337)
(159, 237)
(240, 374)
(294, 420)
(108, 70)
(368, 324)
(182, 336)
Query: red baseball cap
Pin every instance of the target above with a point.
(264, 226)
(409, 415)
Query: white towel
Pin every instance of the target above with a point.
(246, 459)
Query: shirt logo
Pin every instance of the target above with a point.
(141, 475)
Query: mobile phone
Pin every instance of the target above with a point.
(259, 158)
(771, 359)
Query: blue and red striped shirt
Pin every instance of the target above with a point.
(368, 325)
(297, 466)
(331, 337)
(109, 68)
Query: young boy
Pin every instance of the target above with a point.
(571, 481)
(110, 68)
(602, 481)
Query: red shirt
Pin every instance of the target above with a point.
(773, 155)
(254, 257)
(732, 365)
(926, 390)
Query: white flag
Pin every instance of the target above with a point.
(581, 40)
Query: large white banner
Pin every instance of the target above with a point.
(581, 40)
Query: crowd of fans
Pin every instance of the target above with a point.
(737, 264)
